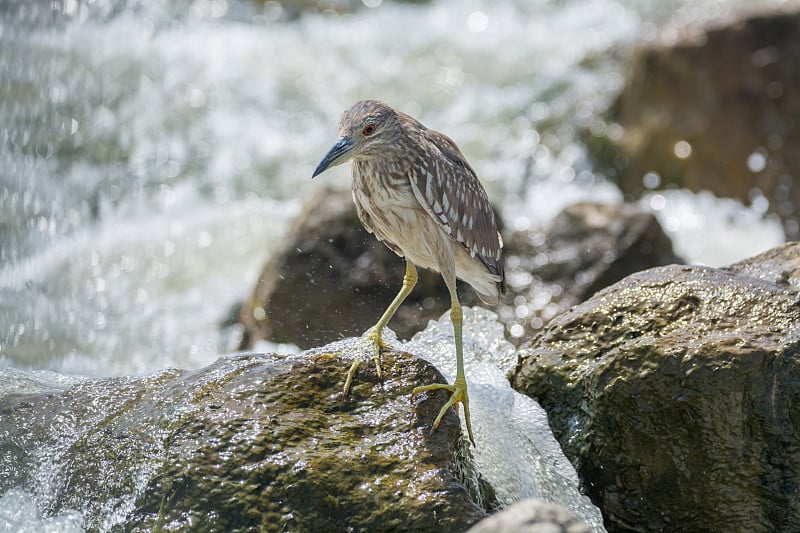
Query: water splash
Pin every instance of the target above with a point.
(516, 451)
(18, 513)
(711, 231)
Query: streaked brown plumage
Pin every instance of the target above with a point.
(415, 191)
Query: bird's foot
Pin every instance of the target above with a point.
(458, 394)
(375, 337)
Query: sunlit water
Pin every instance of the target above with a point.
(152, 153)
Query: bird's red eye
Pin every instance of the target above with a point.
(369, 129)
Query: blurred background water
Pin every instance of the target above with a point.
(152, 152)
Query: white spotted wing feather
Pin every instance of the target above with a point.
(449, 191)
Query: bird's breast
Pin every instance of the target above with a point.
(386, 201)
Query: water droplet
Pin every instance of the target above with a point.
(167, 195)
(70, 6)
(169, 248)
(651, 180)
(756, 161)
(682, 149)
(197, 98)
(774, 89)
(173, 168)
(657, 202)
(760, 204)
(522, 223)
(477, 21)
(219, 8)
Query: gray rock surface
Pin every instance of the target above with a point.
(675, 391)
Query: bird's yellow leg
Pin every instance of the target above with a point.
(375, 334)
(458, 390)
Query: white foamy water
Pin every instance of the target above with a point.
(19, 514)
(711, 231)
(515, 449)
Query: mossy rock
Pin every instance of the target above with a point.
(675, 391)
(250, 443)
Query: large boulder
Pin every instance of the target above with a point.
(674, 393)
(250, 443)
(717, 110)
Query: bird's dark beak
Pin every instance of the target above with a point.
(336, 156)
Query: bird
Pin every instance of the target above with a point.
(415, 191)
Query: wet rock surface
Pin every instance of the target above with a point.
(717, 110)
(250, 443)
(587, 247)
(675, 391)
(780, 266)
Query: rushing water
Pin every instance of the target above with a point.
(152, 152)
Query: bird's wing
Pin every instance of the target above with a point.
(449, 191)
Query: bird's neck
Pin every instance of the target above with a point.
(376, 172)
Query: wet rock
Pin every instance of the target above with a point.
(250, 443)
(338, 279)
(674, 393)
(587, 247)
(780, 266)
(717, 110)
(531, 516)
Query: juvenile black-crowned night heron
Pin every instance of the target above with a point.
(415, 191)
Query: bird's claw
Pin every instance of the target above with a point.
(377, 340)
(375, 336)
(458, 394)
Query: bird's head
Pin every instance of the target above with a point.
(363, 130)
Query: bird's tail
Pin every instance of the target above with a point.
(491, 292)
